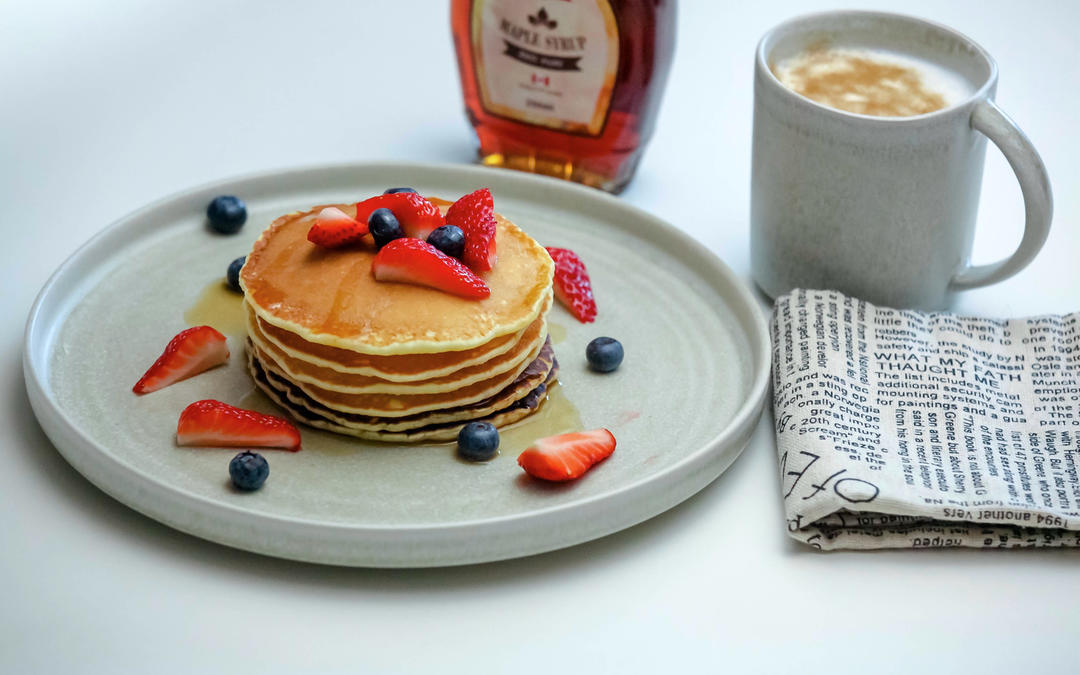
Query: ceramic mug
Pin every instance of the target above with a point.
(881, 208)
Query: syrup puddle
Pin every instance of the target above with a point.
(220, 308)
(556, 332)
(558, 416)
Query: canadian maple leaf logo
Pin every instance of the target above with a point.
(541, 19)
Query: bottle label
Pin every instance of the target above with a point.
(550, 63)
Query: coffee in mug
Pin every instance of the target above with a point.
(870, 131)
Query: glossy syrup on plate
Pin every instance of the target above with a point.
(218, 307)
(557, 416)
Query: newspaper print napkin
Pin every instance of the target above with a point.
(906, 429)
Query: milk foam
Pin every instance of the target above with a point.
(803, 69)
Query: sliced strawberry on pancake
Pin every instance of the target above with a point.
(334, 228)
(418, 262)
(418, 216)
(475, 215)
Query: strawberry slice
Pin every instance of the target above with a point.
(333, 228)
(568, 456)
(572, 285)
(189, 353)
(418, 217)
(417, 262)
(213, 423)
(475, 215)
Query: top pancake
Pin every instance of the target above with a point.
(331, 298)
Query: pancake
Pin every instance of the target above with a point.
(329, 296)
(406, 368)
(395, 405)
(389, 361)
(299, 370)
(542, 368)
(435, 433)
(524, 397)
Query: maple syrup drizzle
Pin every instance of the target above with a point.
(557, 416)
(219, 307)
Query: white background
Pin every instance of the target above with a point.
(105, 106)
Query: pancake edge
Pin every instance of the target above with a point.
(328, 422)
(411, 388)
(392, 377)
(491, 390)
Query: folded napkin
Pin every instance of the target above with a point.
(905, 429)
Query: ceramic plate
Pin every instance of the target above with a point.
(682, 406)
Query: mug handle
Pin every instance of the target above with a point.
(1034, 184)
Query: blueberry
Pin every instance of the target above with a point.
(390, 191)
(384, 227)
(248, 470)
(604, 354)
(233, 273)
(449, 239)
(227, 214)
(478, 441)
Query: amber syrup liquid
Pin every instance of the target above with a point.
(608, 160)
(219, 307)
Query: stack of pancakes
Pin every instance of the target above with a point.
(393, 361)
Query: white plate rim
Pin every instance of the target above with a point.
(354, 545)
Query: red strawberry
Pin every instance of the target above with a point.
(189, 353)
(334, 228)
(572, 285)
(418, 217)
(475, 215)
(568, 456)
(217, 424)
(418, 262)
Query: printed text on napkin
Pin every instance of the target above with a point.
(899, 428)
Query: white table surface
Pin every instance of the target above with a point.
(107, 106)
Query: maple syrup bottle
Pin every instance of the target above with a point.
(566, 88)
